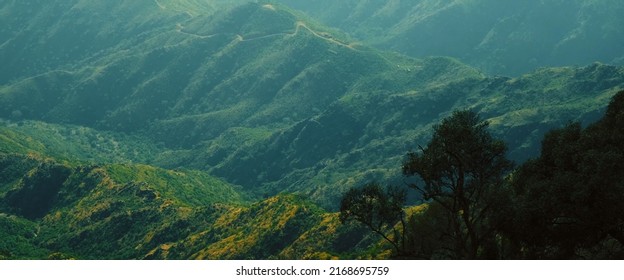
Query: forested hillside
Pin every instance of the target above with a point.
(178, 128)
(52, 210)
(499, 37)
(274, 102)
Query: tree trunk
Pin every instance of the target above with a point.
(464, 207)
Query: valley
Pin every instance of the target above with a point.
(162, 129)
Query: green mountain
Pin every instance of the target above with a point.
(40, 37)
(187, 129)
(364, 135)
(122, 211)
(275, 102)
(500, 37)
(76, 144)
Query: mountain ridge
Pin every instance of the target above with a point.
(248, 95)
(499, 37)
(188, 132)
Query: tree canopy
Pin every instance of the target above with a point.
(462, 168)
(377, 208)
(570, 200)
(565, 204)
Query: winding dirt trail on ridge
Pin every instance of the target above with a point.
(298, 26)
(240, 38)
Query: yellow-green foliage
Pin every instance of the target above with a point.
(12, 141)
(73, 144)
(282, 227)
(188, 187)
(318, 237)
(276, 220)
(139, 211)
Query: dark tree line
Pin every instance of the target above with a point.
(568, 203)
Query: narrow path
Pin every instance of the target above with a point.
(322, 35)
(161, 6)
(298, 25)
(269, 6)
(26, 79)
(6, 42)
(180, 29)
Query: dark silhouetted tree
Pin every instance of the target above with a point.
(570, 200)
(462, 169)
(378, 209)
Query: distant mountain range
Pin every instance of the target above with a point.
(130, 111)
(499, 37)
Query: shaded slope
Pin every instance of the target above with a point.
(49, 35)
(100, 212)
(500, 37)
(201, 73)
(58, 210)
(364, 136)
(76, 144)
(41, 36)
(276, 103)
(136, 211)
